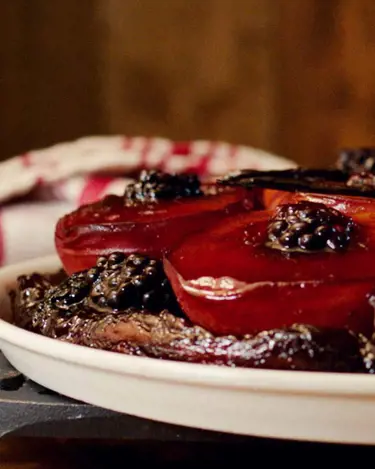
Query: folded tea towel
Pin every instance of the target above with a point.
(40, 186)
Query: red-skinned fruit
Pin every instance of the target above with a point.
(146, 227)
(350, 193)
(228, 280)
(349, 205)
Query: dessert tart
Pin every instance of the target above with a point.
(260, 269)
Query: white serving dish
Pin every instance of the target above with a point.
(323, 407)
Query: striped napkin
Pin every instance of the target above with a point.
(40, 186)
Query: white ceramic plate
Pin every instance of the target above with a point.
(323, 407)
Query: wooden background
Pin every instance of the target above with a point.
(296, 77)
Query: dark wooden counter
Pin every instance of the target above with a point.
(24, 453)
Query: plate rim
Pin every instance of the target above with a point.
(240, 379)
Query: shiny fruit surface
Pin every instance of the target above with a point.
(229, 281)
(348, 205)
(148, 228)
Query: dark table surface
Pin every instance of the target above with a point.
(41, 429)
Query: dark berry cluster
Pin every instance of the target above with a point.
(121, 282)
(309, 227)
(362, 180)
(153, 185)
(354, 160)
(117, 282)
(70, 292)
(33, 287)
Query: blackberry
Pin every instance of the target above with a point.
(309, 227)
(362, 180)
(115, 284)
(71, 292)
(154, 185)
(106, 262)
(33, 287)
(354, 160)
(134, 281)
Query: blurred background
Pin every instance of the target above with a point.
(294, 77)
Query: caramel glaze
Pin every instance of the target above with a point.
(163, 335)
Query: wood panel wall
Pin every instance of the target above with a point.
(291, 76)
(326, 89)
(191, 69)
(50, 87)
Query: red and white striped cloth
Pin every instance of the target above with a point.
(40, 186)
